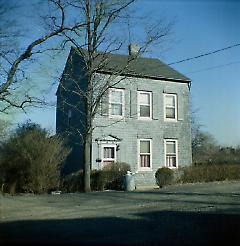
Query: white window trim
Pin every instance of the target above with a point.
(176, 107)
(123, 103)
(165, 151)
(115, 152)
(138, 105)
(138, 155)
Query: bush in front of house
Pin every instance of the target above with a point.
(72, 182)
(98, 180)
(113, 175)
(164, 176)
(210, 173)
(110, 177)
(30, 160)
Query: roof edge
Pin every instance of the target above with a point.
(147, 76)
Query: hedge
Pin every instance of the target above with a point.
(209, 173)
(110, 177)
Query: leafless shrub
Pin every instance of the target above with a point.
(30, 160)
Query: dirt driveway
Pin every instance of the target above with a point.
(199, 214)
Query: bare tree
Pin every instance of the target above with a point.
(204, 146)
(88, 25)
(12, 65)
(100, 16)
(7, 35)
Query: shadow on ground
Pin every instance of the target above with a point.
(155, 228)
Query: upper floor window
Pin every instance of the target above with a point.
(145, 154)
(116, 102)
(171, 153)
(144, 105)
(170, 107)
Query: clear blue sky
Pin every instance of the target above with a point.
(201, 27)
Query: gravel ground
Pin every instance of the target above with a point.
(190, 214)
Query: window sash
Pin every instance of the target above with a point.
(116, 96)
(171, 158)
(109, 152)
(144, 98)
(145, 111)
(171, 147)
(116, 105)
(145, 160)
(170, 102)
(116, 109)
(144, 104)
(145, 149)
(170, 113)
(145, 154)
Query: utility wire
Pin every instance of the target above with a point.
(205, 54)
(210, 68)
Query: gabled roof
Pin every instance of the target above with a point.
(138, 67)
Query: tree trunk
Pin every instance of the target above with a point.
(87, 163)
(12, 188)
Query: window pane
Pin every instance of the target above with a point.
(144, 111)
(144, 146)
(108, 152)
(171, 161)
(69, 113)
(116, 96)
(116, 109)
(144, 98)
(145, 160)
(171, 147)
(170, 113)
(170, 100)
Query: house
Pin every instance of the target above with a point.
(143, 119)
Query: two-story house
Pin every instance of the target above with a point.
(143, 119)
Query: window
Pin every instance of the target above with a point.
(170, 107)
(171, 153)
(116, 103)
(145, 154)
(144, 105)
(69, 116)
(108, 154)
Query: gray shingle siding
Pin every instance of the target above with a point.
(130, 129)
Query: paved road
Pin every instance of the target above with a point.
(199, 214)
